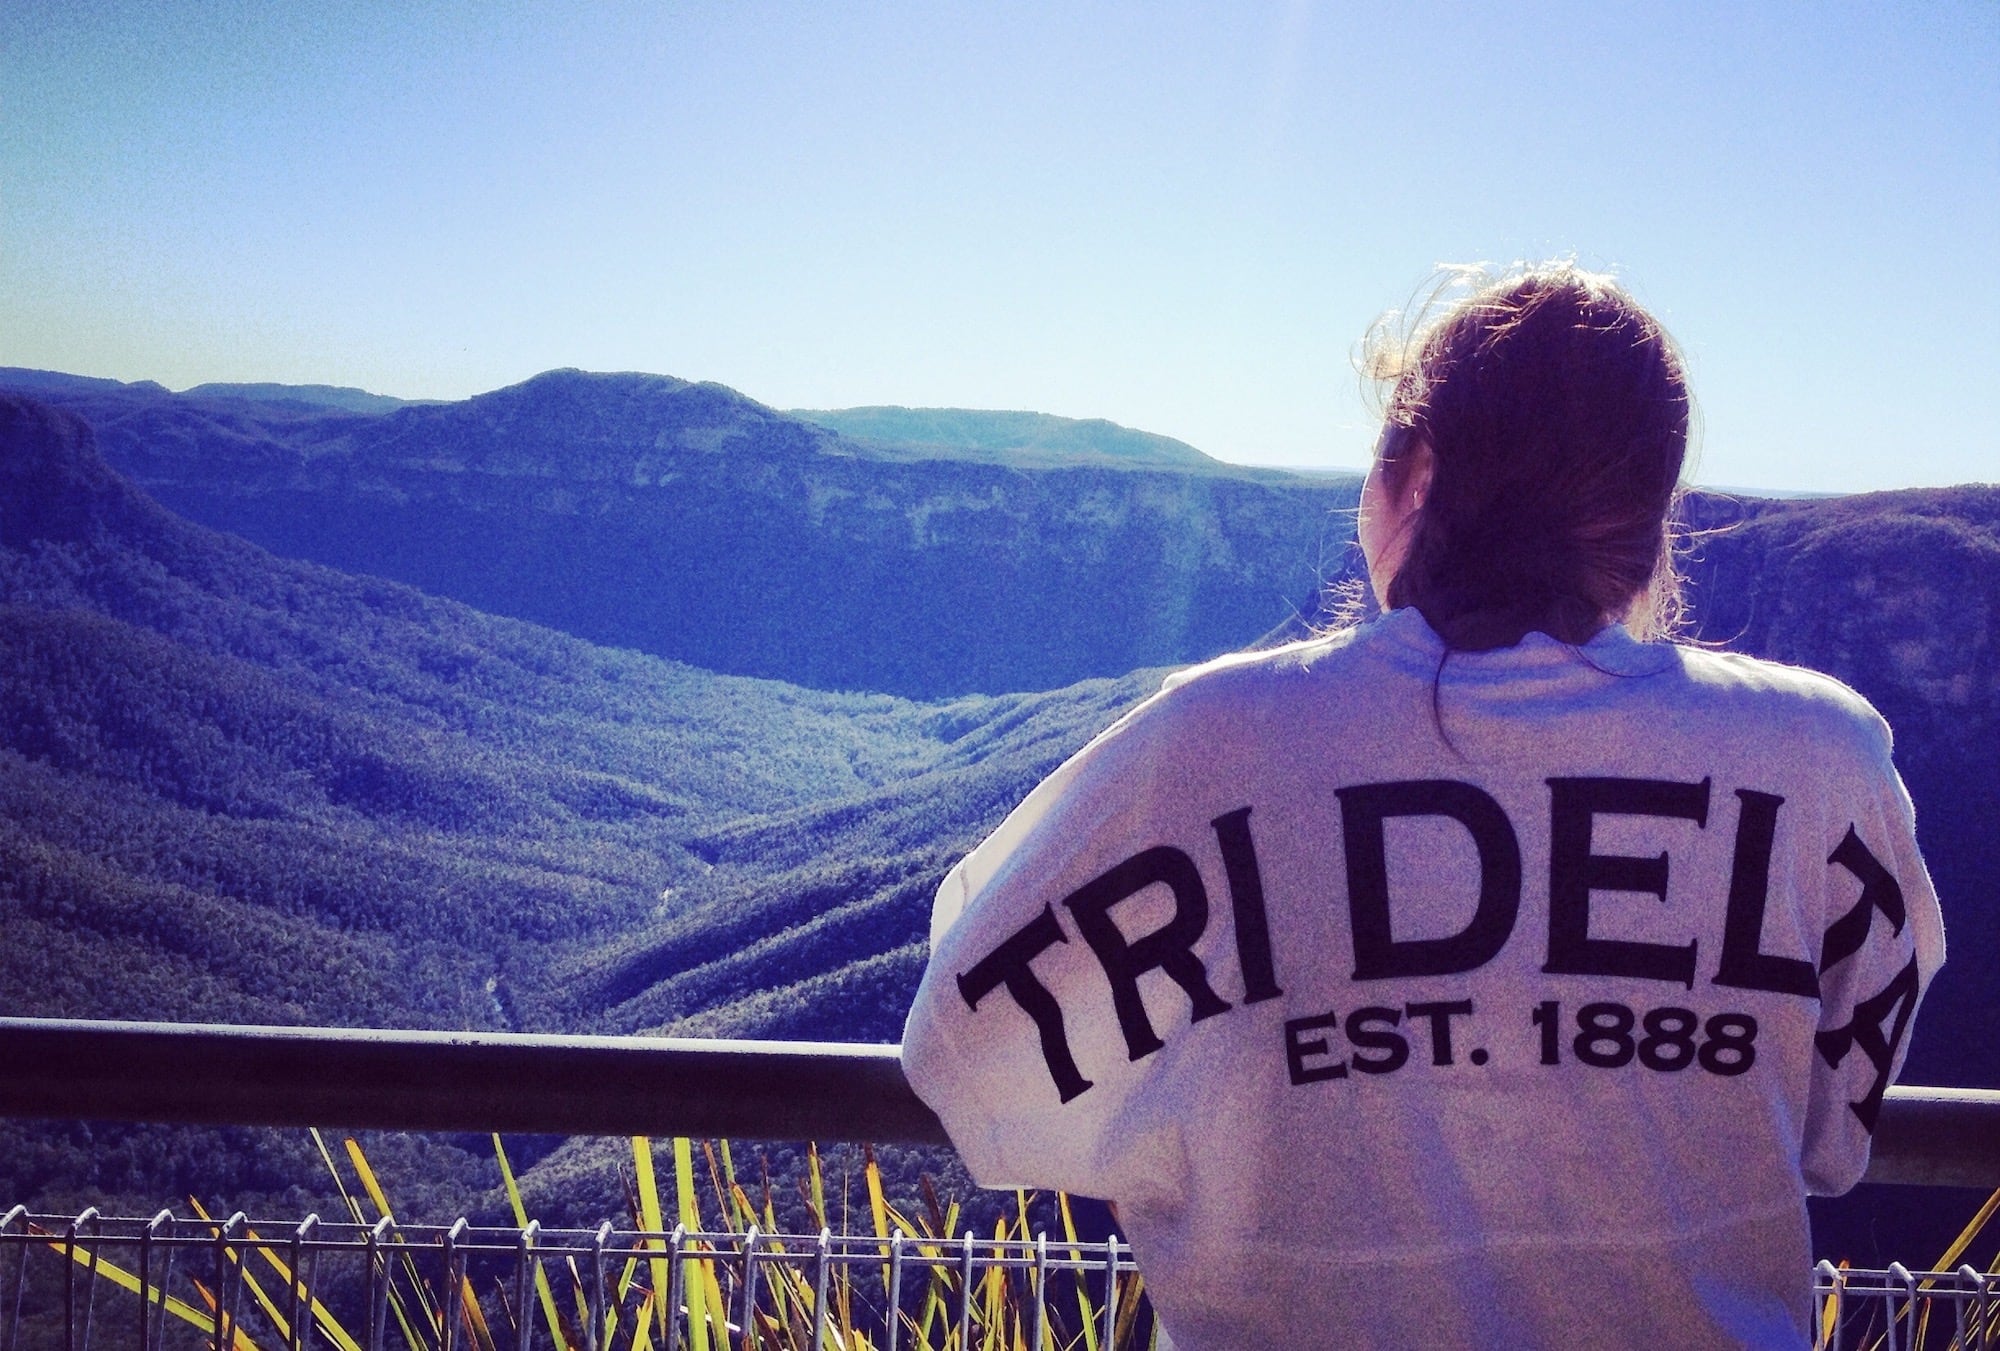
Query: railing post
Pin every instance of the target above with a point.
(526, 1288)
(147, 1238)
(594, 1297)
(1110, 1291)
(301, 1290)
(451, 1304)
(749, 1290)
(895, 1291)
(965, 1294)
(824, 1254)
(1041, 1290)
(69, 1281)
(379, 1277)
(1835, 1280)
(670, 1312)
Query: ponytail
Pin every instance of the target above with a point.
(1557, 414)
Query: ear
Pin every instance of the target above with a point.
(1422, 468)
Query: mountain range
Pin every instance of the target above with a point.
(245, 787)
(688, 521)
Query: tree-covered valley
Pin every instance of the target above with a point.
(331, 783)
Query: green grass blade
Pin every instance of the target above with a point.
(473, 1317)
(1083, 1306)
(543, 1292)
(818, 1196)
(650, 1218)
(433, 1319)
(339, 1183)
(1964, 1240)
(642, 1328)
(118, 1276)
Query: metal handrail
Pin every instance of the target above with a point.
(207, 1074)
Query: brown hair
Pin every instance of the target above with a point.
(1557, 414)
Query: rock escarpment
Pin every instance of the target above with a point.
(688, 521)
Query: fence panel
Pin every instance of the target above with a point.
(177, 1284)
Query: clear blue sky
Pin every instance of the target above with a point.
(1176, 216)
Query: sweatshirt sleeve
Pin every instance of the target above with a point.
(1012, 1038)
(1884, 940)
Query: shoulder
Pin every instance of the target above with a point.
(1780, 685)
(1283, 669)
(1242, 672)
(1785, 700)
(1241, 692)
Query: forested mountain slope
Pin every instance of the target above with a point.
(236, 788)
(688, 521)
(240, 788)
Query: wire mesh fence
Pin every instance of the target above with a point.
(178, 1284)
(172, 1283)
(1902, 1310)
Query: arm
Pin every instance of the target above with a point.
(1884, 940)
(1015, 1038)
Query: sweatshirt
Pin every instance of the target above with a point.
(1408, 997)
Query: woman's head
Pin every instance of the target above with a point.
(1531, 449)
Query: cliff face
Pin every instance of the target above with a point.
(1896, 593)
(687, 521)
(966, 433)
(54, 487)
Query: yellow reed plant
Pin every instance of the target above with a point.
(644, 1307)
(852, 1311)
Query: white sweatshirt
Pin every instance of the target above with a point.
(1513, 998)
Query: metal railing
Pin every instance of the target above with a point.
(208, 1074)
(237, 1285)
(174, 1284)
(760, 1090)
(1903, 1310)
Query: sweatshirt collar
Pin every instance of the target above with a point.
(1612, 649)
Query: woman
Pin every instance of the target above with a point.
(1492, 973)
